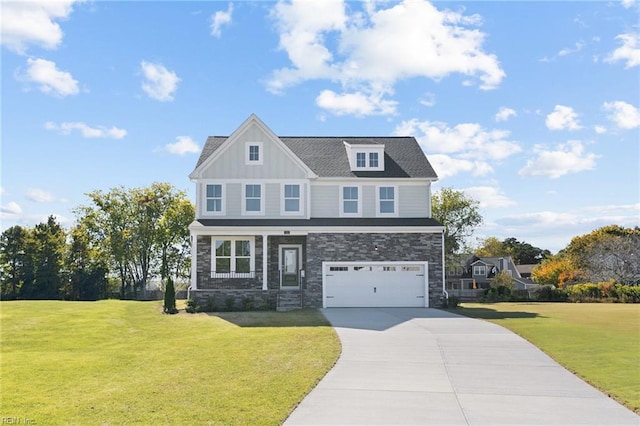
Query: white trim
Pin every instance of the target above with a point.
(287, 230)
(243, 199)
(233, 239)
(247, 154)
(359, 201)
(265, 262)
(327, 264)
(285, 246)
(396, 193)
(251, 120)
(194, 260)
(203, 209)
(301, 199)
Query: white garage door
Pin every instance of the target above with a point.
(375, 284)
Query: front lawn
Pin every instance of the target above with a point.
(600, 342)
(123, 362)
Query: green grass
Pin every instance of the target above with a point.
(599, 342)
(118, 362)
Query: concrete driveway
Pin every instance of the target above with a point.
(430, 367)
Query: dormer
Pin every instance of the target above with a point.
(365, 157)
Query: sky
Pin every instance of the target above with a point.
(530, 108)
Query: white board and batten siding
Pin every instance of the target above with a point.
(375, 284)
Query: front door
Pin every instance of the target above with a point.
(289, 266)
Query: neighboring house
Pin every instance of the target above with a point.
(314, 222)
(478, 272)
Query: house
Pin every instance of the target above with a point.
(314, 222)
(470, 279)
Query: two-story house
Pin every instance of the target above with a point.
(314, 222)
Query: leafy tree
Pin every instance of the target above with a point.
(608, 252)
(502, 279)
(491, 247)
(87, 267)
(460, 216)
(142, 230)
(524, 253)
(552, 269)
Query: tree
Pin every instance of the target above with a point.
(551, 270)
(143, 231)
(170, 298)
(491, 247)
(87, 267)
(524, 253)
(12, 261)
(460, 216)
(610, 252)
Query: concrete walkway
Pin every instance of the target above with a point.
(430, 367)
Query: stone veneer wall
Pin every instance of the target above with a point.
(274, 256)
(360, 247)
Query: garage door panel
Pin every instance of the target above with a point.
(384, 284)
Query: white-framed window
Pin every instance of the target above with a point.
(291, 197)
(232, 257)
(253, 153)
(480, 270)
(253, 202)
(213, 198)
(387, 200)
(350, 201)
(361, 159)
(373, 160)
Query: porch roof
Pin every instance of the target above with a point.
(363, 222)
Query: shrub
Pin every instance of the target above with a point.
(451, 302)
(170, 298)
(248, 304)
(192, 306)
(229, 303)
(211, 305)
(551, 294)
(497, 294)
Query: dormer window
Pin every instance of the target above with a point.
(365, 157)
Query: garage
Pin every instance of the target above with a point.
(375, 284)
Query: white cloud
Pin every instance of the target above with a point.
(39, 195)
(160, 83)
(358, 104)
(600, 129)
(219, 19)
(567, 51)
(377, 47)
(183, 145)
(3, 191)
(86, 130)
(33, 22)
(563, 118)
(447, 166)
(428, 100)
(50, 79)
(624, 115)
(505, 113)
(11, 208)
(468, 140)
(489, 196)
(565, 159)
(627, 52)
(628, 3)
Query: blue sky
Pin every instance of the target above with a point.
(529, 107)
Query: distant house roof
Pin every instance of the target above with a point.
(525, 269)
(327, 156)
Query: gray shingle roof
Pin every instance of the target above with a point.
(327, 156)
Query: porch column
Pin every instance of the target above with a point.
(265, 262)
(194, 261)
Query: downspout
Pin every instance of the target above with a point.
(444, 285)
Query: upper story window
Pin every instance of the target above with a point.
(369, 157)
(387, 200)
(253, 199)
(254, 154)
(214, 198)
(480, 270)
(350, 200)
(373, 160)
(291, 198)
